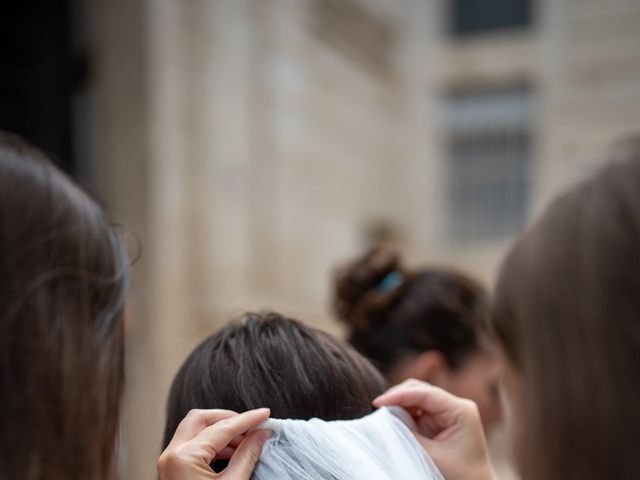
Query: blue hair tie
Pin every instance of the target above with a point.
(390, 281)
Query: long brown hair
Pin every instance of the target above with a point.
(567, 313)
(392, 311)
(268, 360)
(63, 276)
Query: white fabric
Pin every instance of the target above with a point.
(379, 446)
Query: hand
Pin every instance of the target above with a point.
(205, 435)
(449, 429)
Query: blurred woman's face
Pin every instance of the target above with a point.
(477, 379)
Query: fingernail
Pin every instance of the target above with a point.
(264, 435)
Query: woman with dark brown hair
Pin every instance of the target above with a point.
(567, 318)
(420, 323)
(268, 360)
(63, 282)
(319, 391)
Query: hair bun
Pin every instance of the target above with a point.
(366, 285)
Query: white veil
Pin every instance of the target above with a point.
(379, 446)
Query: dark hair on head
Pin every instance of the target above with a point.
(567, 315)
(63, 278)
(268, 360)
(392, 312)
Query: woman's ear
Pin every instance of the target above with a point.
(430, 366)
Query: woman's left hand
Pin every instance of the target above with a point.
(205, 435)
(449, 429)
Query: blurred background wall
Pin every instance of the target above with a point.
(250, 145)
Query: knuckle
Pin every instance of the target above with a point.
(224, 427)
(412, 382)
(194, 413)
(166, 460)
(470, 406)
(181, 454)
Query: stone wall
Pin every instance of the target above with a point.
(250, 144)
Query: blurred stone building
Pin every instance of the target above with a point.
(251, 144)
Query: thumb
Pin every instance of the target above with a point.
(428, 444)
(246, 456)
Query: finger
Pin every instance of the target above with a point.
(428, 426)
(247, 455)
(196, 420)
(225, 454)
(434, 402)
(235, 441)
(411, 382)
(216, 437)
(427, 397)
(427, 444)
(399, 387)
(233, 444)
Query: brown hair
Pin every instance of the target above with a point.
(62, 284)
(392, 311)
(567, 313)
(268, 360)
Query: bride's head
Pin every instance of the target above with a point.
(268, 360)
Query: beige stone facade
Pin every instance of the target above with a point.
(249, 144)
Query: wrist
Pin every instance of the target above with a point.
(485, 473)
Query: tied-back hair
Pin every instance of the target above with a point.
(63, 278)
(268, 360)
(567, 315)
(392, 312)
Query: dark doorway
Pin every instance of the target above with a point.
(40, 74)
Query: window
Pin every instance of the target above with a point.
(477, 16)
(489, 154)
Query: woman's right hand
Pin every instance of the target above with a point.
(205, 435)
(449, 429)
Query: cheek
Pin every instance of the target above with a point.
(477, 387)
(474, 388)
